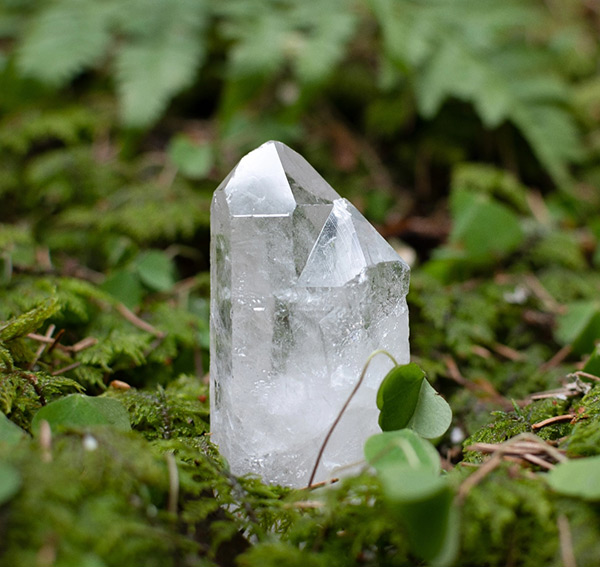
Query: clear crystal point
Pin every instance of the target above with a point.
(303, 290)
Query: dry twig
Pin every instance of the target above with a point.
(525, 447)
(566, 542)
(139, 323)
(551, 420)
(173, 483)
(42, 347)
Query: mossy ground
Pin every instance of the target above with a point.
(469, 136)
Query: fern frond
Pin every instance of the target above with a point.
(117, 346)
(471, 50)
(145, 213)
(160, 59)
(312, 42)
(65, 38)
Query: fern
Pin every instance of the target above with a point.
(117, 347)
(312, 41)
(160, 58)
(65, 38)
(158, 45)
(462, 50)
(146, 213)
(67, 125)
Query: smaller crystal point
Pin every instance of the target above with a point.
(303, 290)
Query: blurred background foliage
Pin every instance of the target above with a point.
(468, 131)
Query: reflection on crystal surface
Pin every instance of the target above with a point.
(303, 289)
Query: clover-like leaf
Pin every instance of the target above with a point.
(78, 410)
(578, 477)
(407, 400)
(401, 448)
(10, 432)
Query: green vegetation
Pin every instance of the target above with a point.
(467, 130)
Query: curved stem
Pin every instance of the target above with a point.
(344, 407)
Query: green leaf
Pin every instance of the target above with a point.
(10, 482)
(125, 286)
(409, 470)
(10, 432)
(78, 410)
(592, 365)
(433, 415)
(432, 526)
(577, 477)
(30, 321)
(193, 160)
(156, 270)
(483, 229)
(406, 399)
(579, 326)
(402, 448)
(398, 396)
(406, 484)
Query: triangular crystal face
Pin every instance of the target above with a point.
(375, 248)
(308, 187)
(308, 222)
(272, 180)
(337, 256)
(258, 185)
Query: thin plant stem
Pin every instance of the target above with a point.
(344, 407)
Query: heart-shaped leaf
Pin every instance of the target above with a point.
(398, 396)
(407, 400)
(401, 448)
(78, 410)
(578, 477)
(432, 416)
(10, 432)
(156, 270)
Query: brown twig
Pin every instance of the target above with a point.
(551, 420)
(66, 368)
(56, 339)
(479, 389)
(538, 461)
(507, 352)
(139, 323)
(321, 484)
(173, 483)
(478, 476)
(45, 440)
(557, 358)
(81, 345)
(587, 375)
(566, 542)
(154, 344)
(42, 347)
(535, 285)
(344, 407)
(523, 447)
(32, 379)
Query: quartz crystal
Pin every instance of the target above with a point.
(303, 290)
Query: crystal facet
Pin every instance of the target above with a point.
(303, 290)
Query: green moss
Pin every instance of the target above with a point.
(509, 519)
(585, 436)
